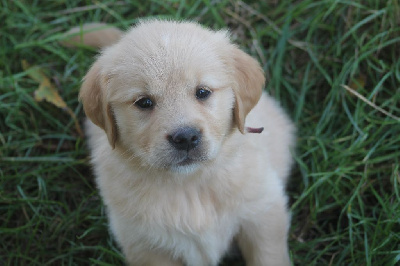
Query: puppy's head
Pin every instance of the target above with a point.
(169, 93)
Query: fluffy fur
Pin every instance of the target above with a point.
(172, 207)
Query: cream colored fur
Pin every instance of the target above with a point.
(163, 212)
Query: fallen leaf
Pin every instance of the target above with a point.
(48, 92)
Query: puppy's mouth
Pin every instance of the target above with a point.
(186, 164)
(187, 161)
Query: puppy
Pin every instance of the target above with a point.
(172, 107)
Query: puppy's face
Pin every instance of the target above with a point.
(175, 120)
(168, 94)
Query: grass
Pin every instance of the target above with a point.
(344, 190)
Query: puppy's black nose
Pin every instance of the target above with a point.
(185, 138)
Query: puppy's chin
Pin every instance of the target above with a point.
(185, 169)
(168, 159)
(188, 165)
(179, 165)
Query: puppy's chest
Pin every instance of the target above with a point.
(193, 223)
(187, 209)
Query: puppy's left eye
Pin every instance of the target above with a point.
(202, 92)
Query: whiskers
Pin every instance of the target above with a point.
(164, 159)
(132, 154)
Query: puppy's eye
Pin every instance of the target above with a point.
(144, 103)
(202, 92)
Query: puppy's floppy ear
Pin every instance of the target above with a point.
(94, 100)
(250, 81)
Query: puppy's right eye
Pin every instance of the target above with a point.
(144, 103)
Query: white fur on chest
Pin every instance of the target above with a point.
(190, 221)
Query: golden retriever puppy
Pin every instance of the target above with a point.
(173, 109)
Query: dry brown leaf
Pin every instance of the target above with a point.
(48, 92)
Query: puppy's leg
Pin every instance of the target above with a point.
(149, 258)
(263, 239)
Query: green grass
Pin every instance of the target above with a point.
(344, 190)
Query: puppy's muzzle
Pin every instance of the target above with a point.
(185, 138)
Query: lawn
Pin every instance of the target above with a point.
(334, 65)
